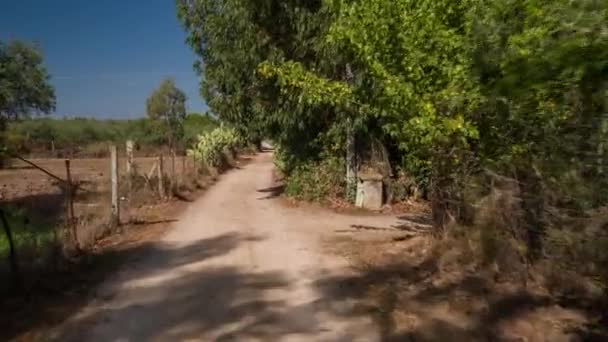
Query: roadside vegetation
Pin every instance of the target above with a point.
(87, 137)
(492, 111)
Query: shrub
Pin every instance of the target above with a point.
(316, 181)
(212, 147)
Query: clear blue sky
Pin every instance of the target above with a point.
(105, 57)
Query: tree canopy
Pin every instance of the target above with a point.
(454, 91)
(167, 106)
(24, 82)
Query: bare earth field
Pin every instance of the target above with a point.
(21, 180)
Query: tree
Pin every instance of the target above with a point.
(224, 35)
(24, 83)
(167, 106)
(234, 38)
(24, 89)
(454, 89)
(195, 124)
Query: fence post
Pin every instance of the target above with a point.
(172, 183)
(183, 177)
(161, 171)
(115, 214)
(130, 165)
(194, 167)
(69, 200)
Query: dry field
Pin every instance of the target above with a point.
(37, 201)
(21, 180)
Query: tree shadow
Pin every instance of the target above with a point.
(143, 222)
(175, 291)
(414, 223)
(67, 290)
(178, 294)
(273, 192)
(47, 207)
(404, 288)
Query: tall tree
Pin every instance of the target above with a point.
(24, 90)
(24, 82)
(223, 35)
(167, 106)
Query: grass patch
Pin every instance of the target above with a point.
(32, 238)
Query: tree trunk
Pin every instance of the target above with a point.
(351, 148)
(351, 163)
(532, 204)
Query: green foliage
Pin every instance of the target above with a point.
(24, 86)
(231, 50)
(212, 146)
(455, 90)
(167, 107)
(26, 235)
(74, 135)
(317, 181)
(196, 124)
(24, 82)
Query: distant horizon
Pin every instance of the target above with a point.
(105, 58)
(102, 118)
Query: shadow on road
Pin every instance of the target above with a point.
(231, 303)
(236, 303)
(59, 298)
(272, 192)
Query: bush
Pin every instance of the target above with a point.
(316, 181)
(212, 147)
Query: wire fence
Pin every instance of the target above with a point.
(60, 207)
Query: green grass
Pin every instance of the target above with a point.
(35, 237)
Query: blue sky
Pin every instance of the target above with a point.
(105, 57)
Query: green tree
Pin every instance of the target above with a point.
(195, 125)
(453, 88)
(24, 83)
(24, 89)
(224, 35)
(167, 107)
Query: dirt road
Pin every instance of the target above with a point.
(238, 265)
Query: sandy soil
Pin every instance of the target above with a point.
(238, 265)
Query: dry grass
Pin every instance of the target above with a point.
(472, 284)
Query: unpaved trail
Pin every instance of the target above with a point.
(238, 265)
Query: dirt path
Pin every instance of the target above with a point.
(238, 265)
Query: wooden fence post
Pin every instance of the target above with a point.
(161, 171)
(69, 201)
(194, 167)
(130, 165)
(172, 183)
(183, 177)
(115, 214)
